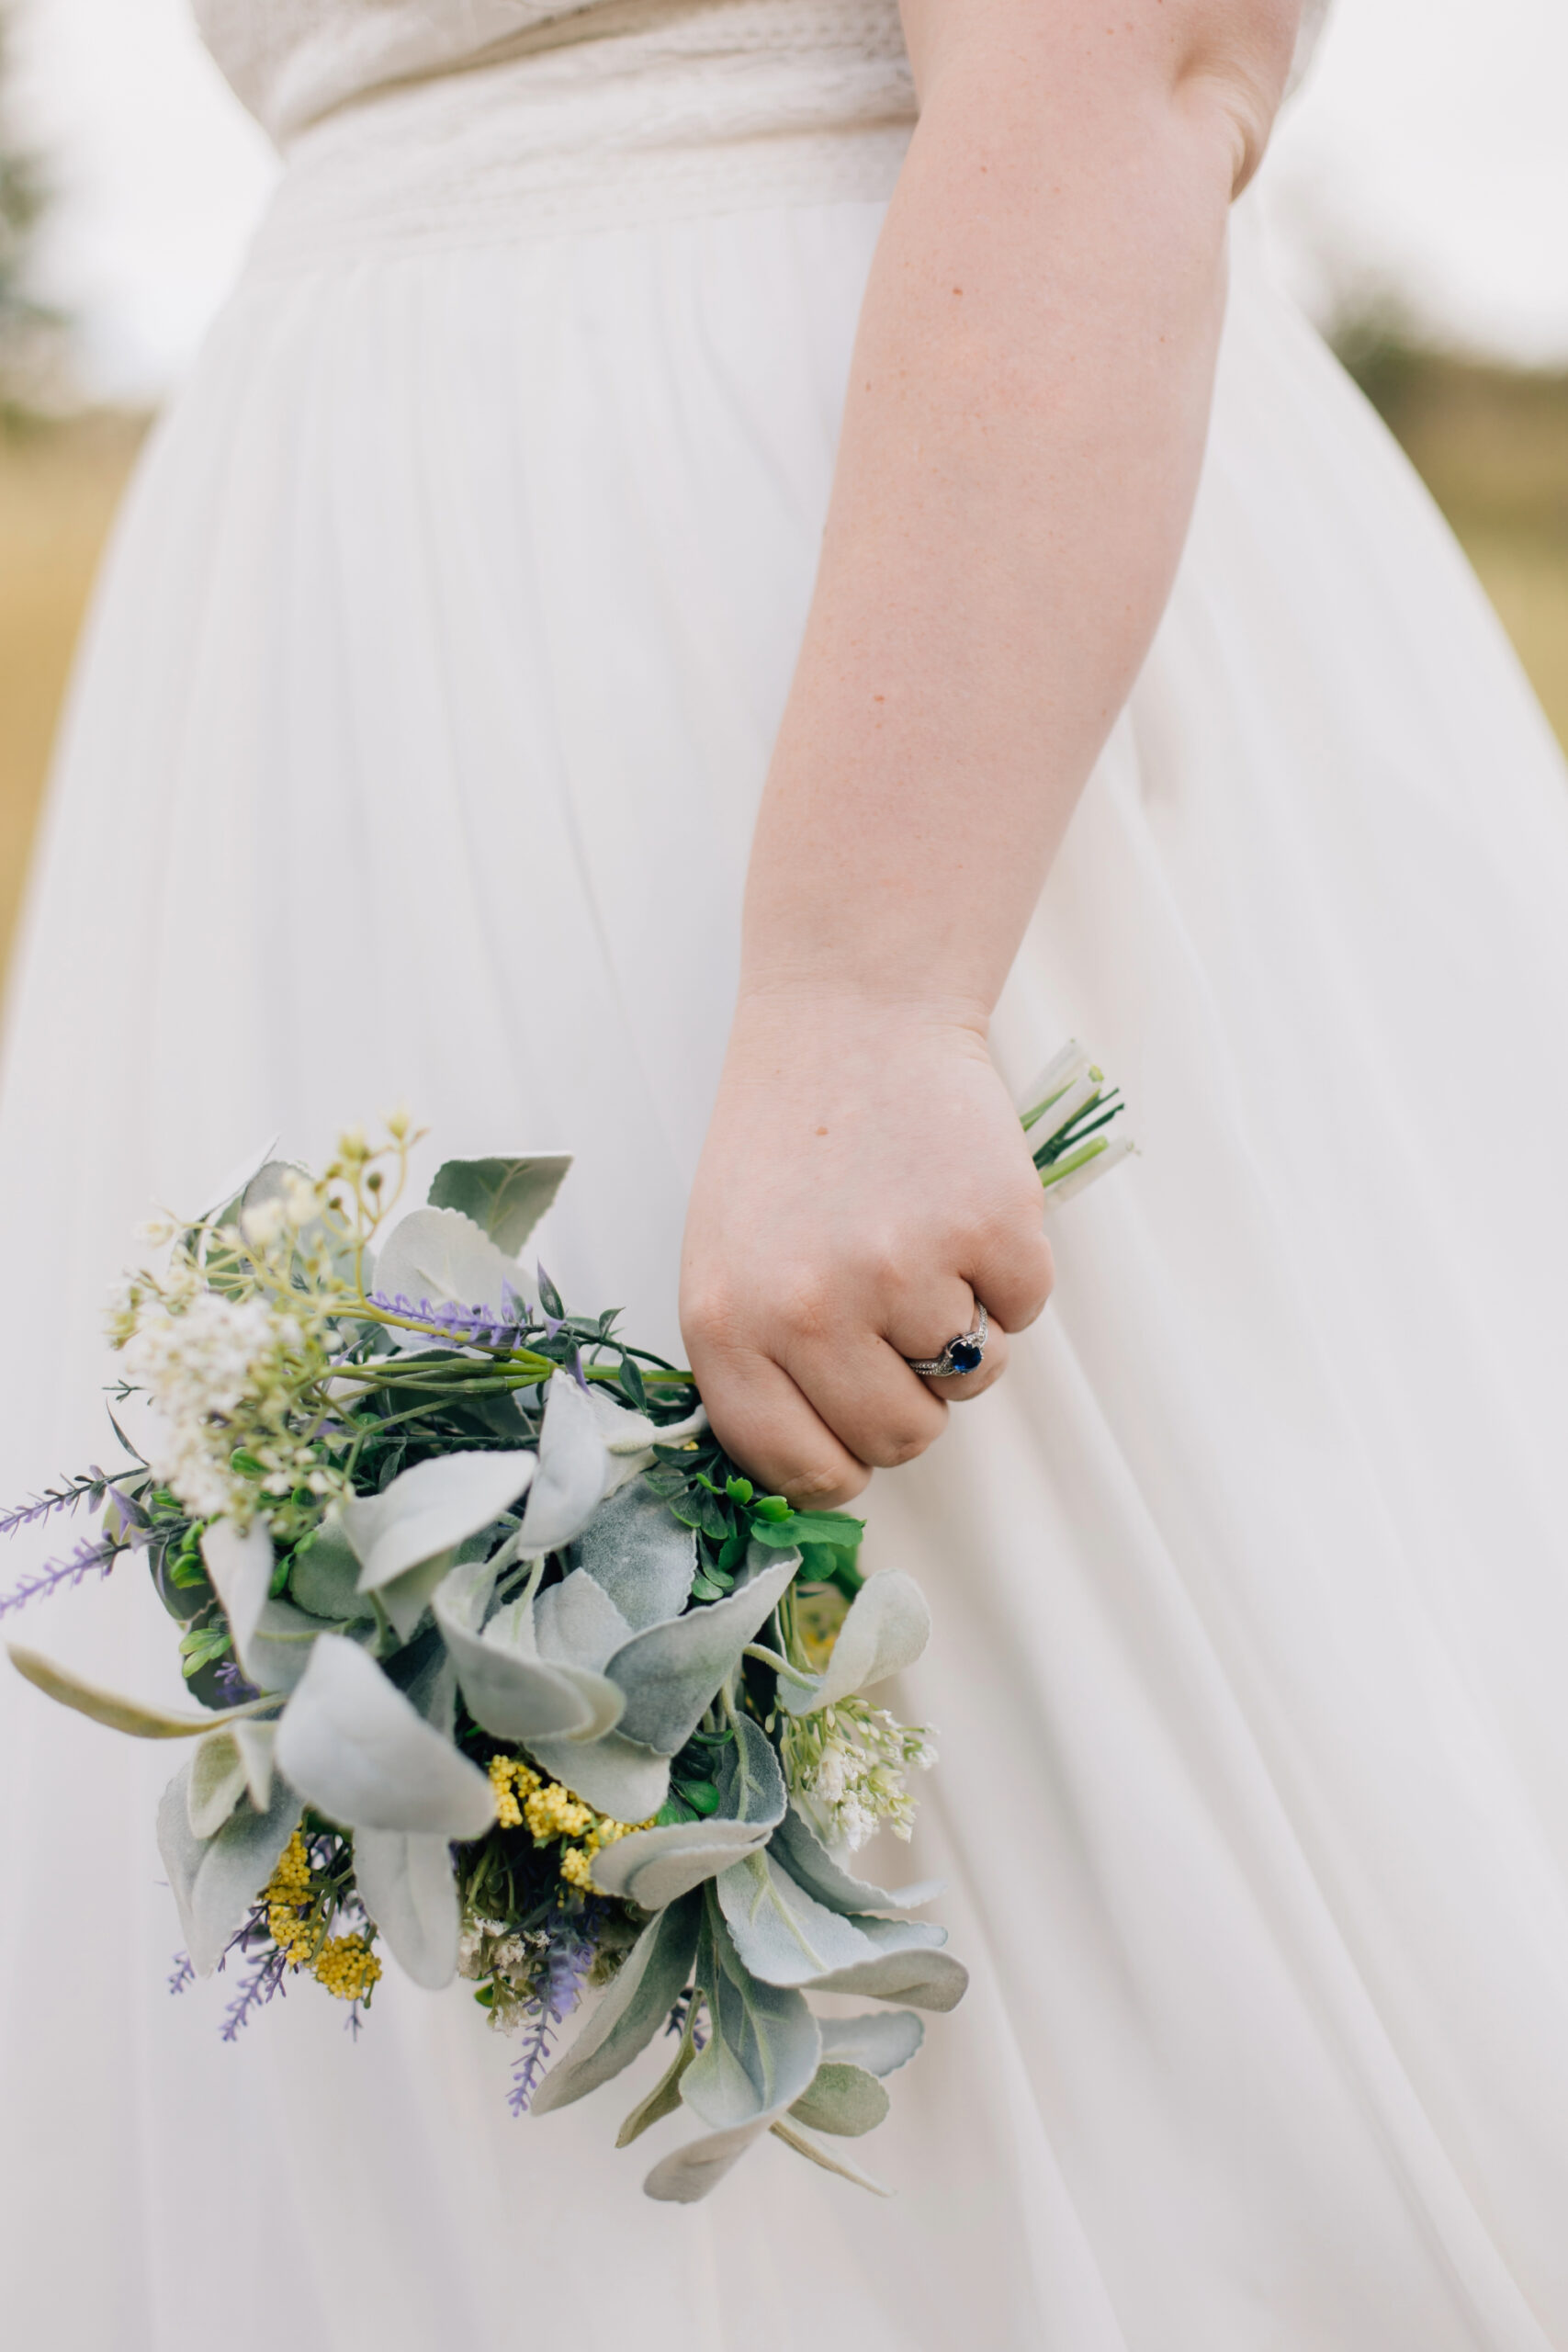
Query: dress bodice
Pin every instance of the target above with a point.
(420, 122)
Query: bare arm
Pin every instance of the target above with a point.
(1020, 446)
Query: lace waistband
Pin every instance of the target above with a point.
(673, 107)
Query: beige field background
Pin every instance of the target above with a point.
(1491, 444)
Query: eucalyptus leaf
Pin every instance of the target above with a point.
(216, 1782)
(429, 1511)
(108, 1707)
(639, 1998)
(408, 1886)
(887, 1627)
(843, 2100)
(807, 1860)
(216, 1880)
(354, 1748)
(440, 1258)
(638, 1553)
(505, 1197)
(671, 1672)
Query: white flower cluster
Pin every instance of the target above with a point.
(848, 1771)
(511, 1958)
(199, 1365)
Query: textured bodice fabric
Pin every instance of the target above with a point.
(416, 126)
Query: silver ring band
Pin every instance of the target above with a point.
(960, 1355)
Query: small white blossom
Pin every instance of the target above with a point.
(848, 1768)
(198, 1367)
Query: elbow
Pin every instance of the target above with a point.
(1232, 63)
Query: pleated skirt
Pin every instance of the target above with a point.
(413, 758)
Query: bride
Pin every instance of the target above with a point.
(638, 445)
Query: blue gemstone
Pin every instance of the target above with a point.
(964, 1355)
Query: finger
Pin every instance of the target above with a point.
(878, 1410)
(1008, 1265)
(764, 1423)
(957, 1388)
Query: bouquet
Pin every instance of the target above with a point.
(503, 1667)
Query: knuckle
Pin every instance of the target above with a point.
(822, 1485)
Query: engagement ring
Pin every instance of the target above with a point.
(959, 1356)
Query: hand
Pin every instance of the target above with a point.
(864, 1181)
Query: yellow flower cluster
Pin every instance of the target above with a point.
(347, 1967)
(523, 1797)
(344, 1964)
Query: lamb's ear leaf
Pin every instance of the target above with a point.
(614, 1775)
(653, 1867)
(574, 1471)
(930, 1979)
(407, 1885)
(642, 1995)
(323, 1578)
(429, 1511)
(442, 1258)
(108, 1707)
(505, 1198)
(637, 1552)
(785, 1937)
(763, 2051)
(808, 1860)
(351, 1743)
(217, 1782)
(686, 2175)
(511, 1692)
(843, 2099)
(216, 1880)
(887, 1627)
(828, 2158)
(256, 1743)
(879, 2039)
(272, 1640)
(671, 1672)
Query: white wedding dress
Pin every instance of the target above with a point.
(413, 756)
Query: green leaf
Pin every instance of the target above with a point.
(665, 2095)
(773, 1507)
(671, 1672)
(506, 1197)
(701, 1795)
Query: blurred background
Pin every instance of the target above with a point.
(1417, 195)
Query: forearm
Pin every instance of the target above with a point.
(1020, 446)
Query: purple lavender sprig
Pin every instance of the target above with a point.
(567, 1965)
(91, 1487)
(256, 1990)
(56, 1574)
(478, 1326)
(182, 1974)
